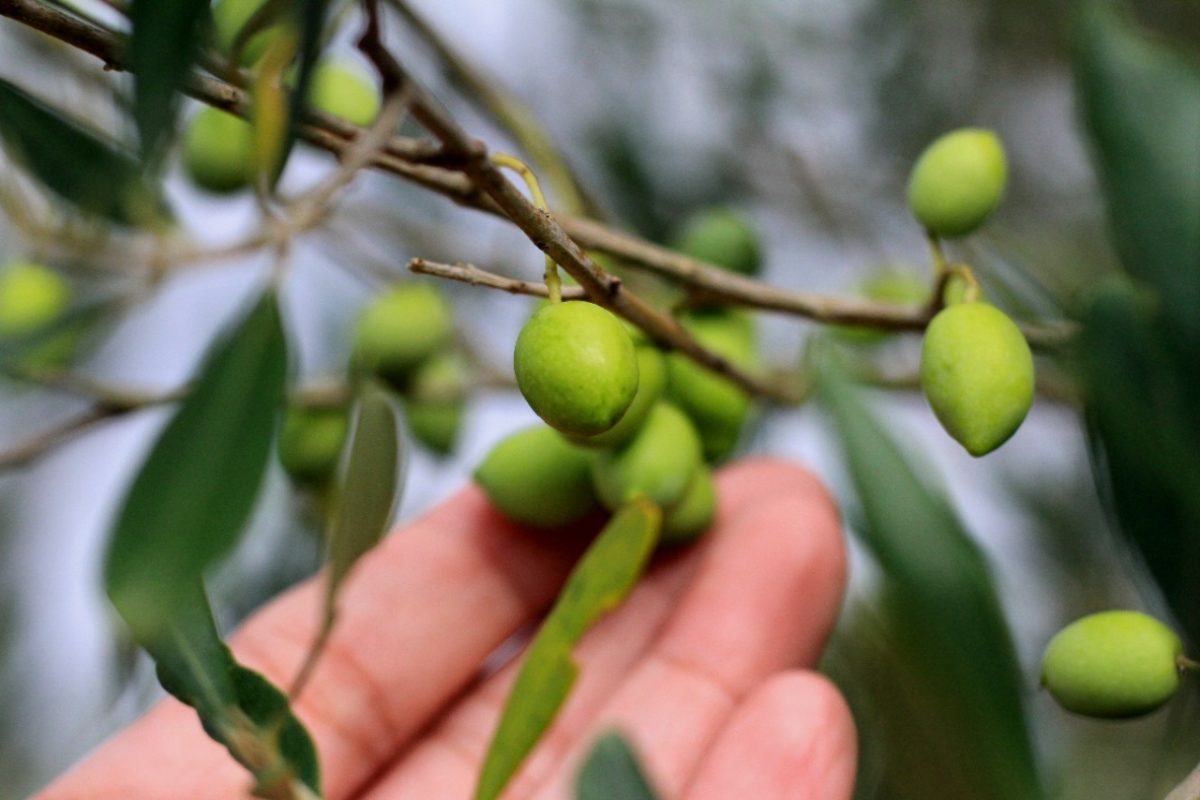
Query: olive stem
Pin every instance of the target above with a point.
(553, 282)
(936, 252)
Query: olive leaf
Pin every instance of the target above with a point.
(1141, 107)
(162, 48)
(237, 706)
(371, 486)
(80, 165)
(612, 772)
(196, 488)
(939, 584)
(599, 583)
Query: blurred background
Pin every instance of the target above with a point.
(805, 117)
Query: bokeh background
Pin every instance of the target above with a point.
(806, 117)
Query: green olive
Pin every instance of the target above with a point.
(977, 373)
(898, 287)
(658, 462)
(722, 237)
(400, 328)
(1113, 665)
(576, 367)
(310, 443)
(536, 477)
(31, 298)
(652, 380)
(434, 402)
(958, 181)
(229, 17)
(718, 407)
(218, 151)
(343, 91)
(693, 514)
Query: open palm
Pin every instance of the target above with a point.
(704, 668)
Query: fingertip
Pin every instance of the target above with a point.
(743, 482)
(792, 738)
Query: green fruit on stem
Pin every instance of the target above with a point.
(658, 462)
(1112, 665)
(32, 297)
(693, 514)
(977, 374)
(434, 405)
(310, 443)
(400, 328)
(218, 151)
(652, 381)
(722, 237)
(576, 367)
(957, 182)
(535, 477)
(718, 407)
(343, 91)
(229, 17)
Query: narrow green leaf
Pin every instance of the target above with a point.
(1141, 105)
(370, 488)
(612, 772)
(600, 581)
(1141, 396)
(238, 707)
(197, 487)
(309, 17)
(162, 48)
(81, 166)
(940, 582)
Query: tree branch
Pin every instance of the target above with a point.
(469, 273)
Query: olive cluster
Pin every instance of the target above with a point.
(403, 337)
(622, 417)
(976, 367)
(219, 148)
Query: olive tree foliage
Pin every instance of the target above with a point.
(945, 704)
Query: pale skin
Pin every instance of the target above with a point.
(707, 668)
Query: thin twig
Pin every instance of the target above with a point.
(469, 273)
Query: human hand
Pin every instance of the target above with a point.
(704, 668)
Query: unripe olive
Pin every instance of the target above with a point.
(652, 380)
(958, 181)
(693, 514)
(722, 237)
(977, 373)
(31, 298)
(658, 462)
(1113, 665)
(434, 404)
(536, 477)
(716, 405)
(346, 92)
(576, 367)
(310, 443)
(229, 17)
(400, 328)
(218, 151)
(891, 286)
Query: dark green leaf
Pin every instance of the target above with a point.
(197, 487)
(941, 584)
(370, 488)
(309, 17)
(600, 581)
(162, 48)
(1142, 394)
(79, 165)
(612, 772)
(1141, 105)
(238, 707)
